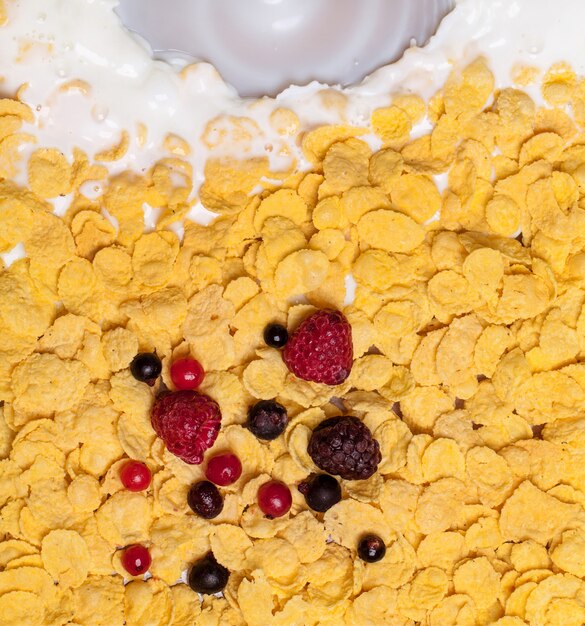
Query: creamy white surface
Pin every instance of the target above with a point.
(262, 46)
(84, 39)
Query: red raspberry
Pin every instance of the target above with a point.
(188, 422)
(321, 350)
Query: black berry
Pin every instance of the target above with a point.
(205, 500)
(208, 576)
(344, 446)
(321, 493)
(267, 419)
(371, 548)
(146, 367)
(275, 335)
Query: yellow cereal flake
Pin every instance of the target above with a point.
(346, 165)
(417, 196)
(148, 601)
(524, 75)
(92, 231)
(124, 519)
(393, 125)
(466, 92)
(9, 106)
(503, 215)
(44, 383)
(541, 518)
(300, 272)
(66, 557)
(390, 231)
(49, 173)
(22, 607)
(285, 121)
(317, 142)
(117, 151)
(558, 84)
(228, 183)
(283, 203)
(479, 580)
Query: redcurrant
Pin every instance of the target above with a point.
(223, 469)
(187, 374)
(136, 560)
(135, 476)
(274, 498)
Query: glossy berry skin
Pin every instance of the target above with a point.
(321, 493)
(275, 335)
(188, 422)
(207, 576)
(371, 549)
(136, 560)
(223, 469)
(205, 500)
(274, 499)
(135, 476)
(267, 419)
(146, 367)
(321, 349)
(187, 374)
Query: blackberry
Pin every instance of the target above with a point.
(345, 446)
(267, 419)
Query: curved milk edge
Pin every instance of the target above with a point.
(90, 43)
(95, 123)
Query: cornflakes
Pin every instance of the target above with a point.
(66, 557)
(466, 342)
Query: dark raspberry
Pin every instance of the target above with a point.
(205, 500)
(345, 446)
(207, 576)
(321, 349)
(275, 335)
(267, 419)
(188, 422)
(371, 548)
(321, 493)
(146, 367)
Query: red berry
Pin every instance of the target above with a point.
(187, 374)
(188, 422)
(321, 348)
(136, 560)
(223, 469)
(135, 476)
(274, 498)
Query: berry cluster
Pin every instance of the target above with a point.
(188, 422)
